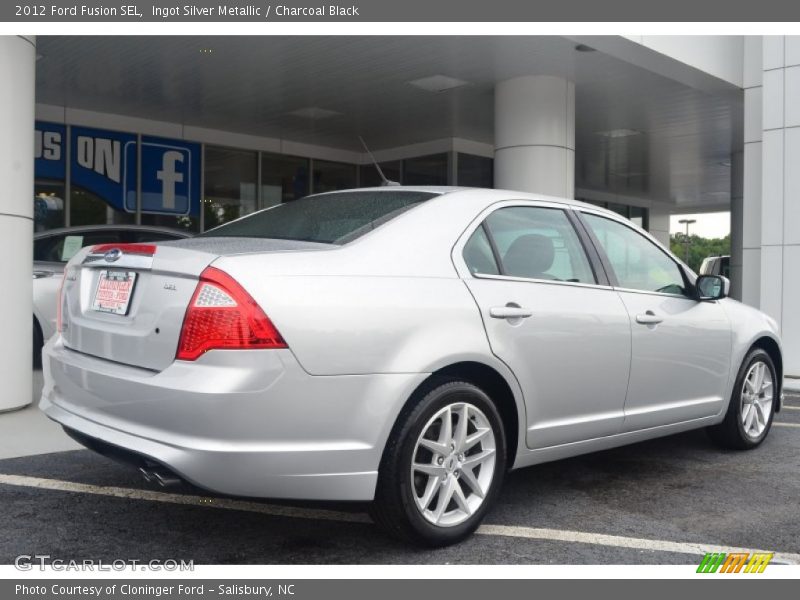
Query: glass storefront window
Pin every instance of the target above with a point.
(87, 208)
(230, 185)
(620, 209)
(475, 171)
(48, 205)
(283, 178)
(330, 176)
(183, 222)
(639, 215)
(369, 177)
(425, 170)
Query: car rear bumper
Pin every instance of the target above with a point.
(244, 423)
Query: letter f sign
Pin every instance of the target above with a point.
(169, 176)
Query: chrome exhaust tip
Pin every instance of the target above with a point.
(165, 478)
(160, 476)
(147, 475)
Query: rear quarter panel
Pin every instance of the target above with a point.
(360, 325)
(389, 302)
(346, 325)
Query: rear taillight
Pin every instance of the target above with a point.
(223, 316)
(143, 249)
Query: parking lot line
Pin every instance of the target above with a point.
(624, 542)
(532, 533)
(786, 424)
(789, 407)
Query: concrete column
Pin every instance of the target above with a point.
(737, 207)
(780, 192)
(534, 135)
(751, 206)
(17, 81)
(659, 224)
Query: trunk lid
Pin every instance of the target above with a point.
(145, 335)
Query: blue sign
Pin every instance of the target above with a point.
(101, 164)
(50, 143)
(170, 177)
(104, 163)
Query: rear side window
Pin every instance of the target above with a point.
(478, 254)
(538, 243)
(326, 218)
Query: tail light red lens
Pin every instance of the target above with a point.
(223, 316)
(144, 249)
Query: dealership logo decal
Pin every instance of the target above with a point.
(734, 562)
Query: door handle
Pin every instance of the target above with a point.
(649, 318)
(509, 312)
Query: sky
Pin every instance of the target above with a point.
(709, 225)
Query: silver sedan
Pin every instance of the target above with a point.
(405, 346)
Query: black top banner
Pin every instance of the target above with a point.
(197, 11)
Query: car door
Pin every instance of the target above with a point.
(681, 347)
(552, 318)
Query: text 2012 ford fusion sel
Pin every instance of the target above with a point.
(400, 345)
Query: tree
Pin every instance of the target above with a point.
(699, 248)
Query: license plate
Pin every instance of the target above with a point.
(114, 291)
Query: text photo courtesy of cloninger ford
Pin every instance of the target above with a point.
(367, 299)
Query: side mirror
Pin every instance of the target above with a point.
(712, 287)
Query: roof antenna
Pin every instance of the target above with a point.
(384, 180)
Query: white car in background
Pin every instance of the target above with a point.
(404, 346)
(716, 265)
(51, 251)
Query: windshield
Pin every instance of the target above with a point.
(326, 218)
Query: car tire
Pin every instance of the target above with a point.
(752, 404)
(38, 344)
(447, 501)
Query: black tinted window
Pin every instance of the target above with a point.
(326, 218)
(61, 248)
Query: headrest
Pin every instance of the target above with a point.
(530, 255)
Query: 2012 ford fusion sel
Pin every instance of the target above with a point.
(404, 346)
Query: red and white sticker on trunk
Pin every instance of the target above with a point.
(114, 291)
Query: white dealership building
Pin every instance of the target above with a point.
(191, 132)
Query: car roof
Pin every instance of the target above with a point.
(492, 194)
(85, 228)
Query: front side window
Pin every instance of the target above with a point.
(538, 243)
(637, 262)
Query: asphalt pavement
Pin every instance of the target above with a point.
(666, 501)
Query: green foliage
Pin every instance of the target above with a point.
(699, 248)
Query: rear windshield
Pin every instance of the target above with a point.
(326, 218)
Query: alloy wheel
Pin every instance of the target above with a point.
(756, 399)
(453, 464)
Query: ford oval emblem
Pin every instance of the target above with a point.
(113, 255)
